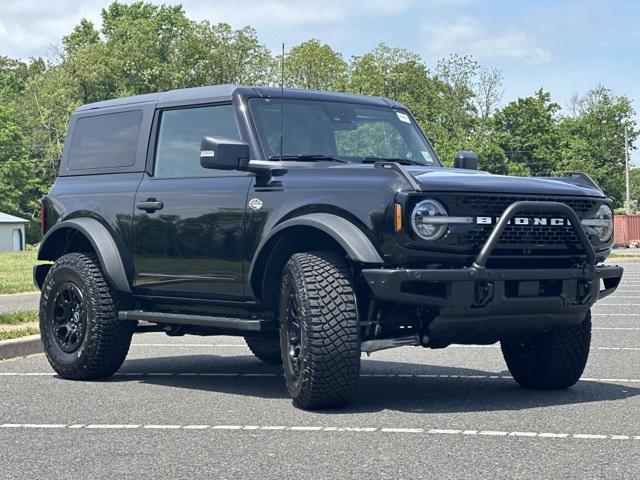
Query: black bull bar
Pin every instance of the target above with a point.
(478, 290)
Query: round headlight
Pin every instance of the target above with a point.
(602, 223)
(604, 216)
(429, 220)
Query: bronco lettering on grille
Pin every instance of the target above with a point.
(535, 221)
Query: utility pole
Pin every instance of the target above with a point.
(626, 170)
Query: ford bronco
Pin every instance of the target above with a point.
(317, 226)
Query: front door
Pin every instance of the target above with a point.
(189, 220)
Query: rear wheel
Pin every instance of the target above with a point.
(319, 331)
(82, 336)
(266, 348)
(551, 361)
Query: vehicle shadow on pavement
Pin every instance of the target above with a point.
(384, 385)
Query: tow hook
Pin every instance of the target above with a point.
(585, 291)
(483, 294)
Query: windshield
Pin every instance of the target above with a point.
(345, 131)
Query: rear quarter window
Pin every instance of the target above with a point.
(105, 141)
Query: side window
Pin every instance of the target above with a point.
(178, 146)
(105, 141)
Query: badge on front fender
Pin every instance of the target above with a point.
(255, 204)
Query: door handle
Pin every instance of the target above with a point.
(150, 205)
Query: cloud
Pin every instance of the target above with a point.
(290, 12)
(386, 6)
(31, 28)
(270, 12)
(467, 36)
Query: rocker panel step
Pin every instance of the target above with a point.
(199, 320)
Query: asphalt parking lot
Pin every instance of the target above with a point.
(192, 407)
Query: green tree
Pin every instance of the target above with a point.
(401, 75)
(211, 54)
(14, 75)
(314, 65)
(634, 183)
(527, 132)
(386, 71)
(457, 115)
(593, 139)
(19, 188)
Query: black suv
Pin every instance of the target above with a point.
(317, 226)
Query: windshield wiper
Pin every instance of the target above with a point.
(308, 158)
(402, 161)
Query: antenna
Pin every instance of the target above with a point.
(282, 102)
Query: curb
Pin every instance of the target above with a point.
(20, 347)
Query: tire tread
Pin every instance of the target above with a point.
(331, 368)
(108, 338)
(557, 361)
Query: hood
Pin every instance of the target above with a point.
(458, 180)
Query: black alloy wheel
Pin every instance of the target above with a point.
(292, 324)
(69, 317)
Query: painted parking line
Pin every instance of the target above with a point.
(315, 429)
(616, 296)
(617, 328)
(279, 375)
(214, 345)
(221, 345)
(631, 349)
(618, 348)
(27, 374)
(619, 304)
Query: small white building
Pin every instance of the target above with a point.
(11, 233)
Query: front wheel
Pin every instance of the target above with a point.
(551, 361)
(319, 331)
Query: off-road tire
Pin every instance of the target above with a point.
(106, 339)
(552, 361)
(266, 348)
(329, 365)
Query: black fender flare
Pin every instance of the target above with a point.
(102, 242)
(351, 238)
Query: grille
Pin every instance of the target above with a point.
(528, 235)
(539, 237)
(495, 205)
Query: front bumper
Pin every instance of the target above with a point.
(485, 305)
(481, 305)
(472, 287)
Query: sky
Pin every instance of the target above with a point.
(565, 46)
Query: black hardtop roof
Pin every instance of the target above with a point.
(218, 93)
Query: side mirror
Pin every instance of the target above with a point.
(224, 153)
(465, 159)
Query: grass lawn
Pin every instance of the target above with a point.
(18, 332)
(16, 318)
(18, 324)
(16, 271)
